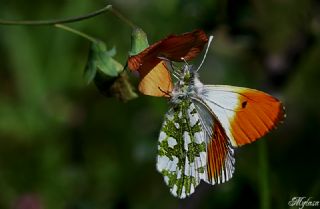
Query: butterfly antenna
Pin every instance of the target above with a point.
(205, 55)
(185, 61)
(175, 75)
(169, 64)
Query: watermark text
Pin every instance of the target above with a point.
(302, 202)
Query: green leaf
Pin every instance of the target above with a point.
(91, 68)
(101, 59)
(139, 41)
(112, 51)
(108, 74)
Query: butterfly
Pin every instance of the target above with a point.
(203, 126)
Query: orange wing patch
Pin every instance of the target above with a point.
(220, 156)
(157, 82)
(257, 113)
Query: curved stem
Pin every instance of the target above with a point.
(56, 21)
(123, 18)
(84, 35)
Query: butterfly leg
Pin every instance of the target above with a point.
(165, 92)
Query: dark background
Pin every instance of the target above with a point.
(64, 145)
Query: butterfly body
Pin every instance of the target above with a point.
(188, 85)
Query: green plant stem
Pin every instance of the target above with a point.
(123, 18)
(264, 177)
(56, 21)
(69, 20)
(74, 31)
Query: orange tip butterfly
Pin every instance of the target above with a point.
(204, 124)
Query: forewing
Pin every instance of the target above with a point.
(182, 155)
(245, 114)
(157, 82)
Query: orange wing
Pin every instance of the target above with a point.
(157, 82)
(174, 47)
(220, 160)
(259, 114)
(245, 114)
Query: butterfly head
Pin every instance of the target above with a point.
(186, 75)
(187, 85)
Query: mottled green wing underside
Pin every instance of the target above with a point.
(182, 150)
(192, 146)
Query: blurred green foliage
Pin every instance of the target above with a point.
(64, 145)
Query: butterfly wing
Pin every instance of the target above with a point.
(187, 45)
(220, 154)
(157, 82)
(189, 153)
(245, 114)
(182, 150)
